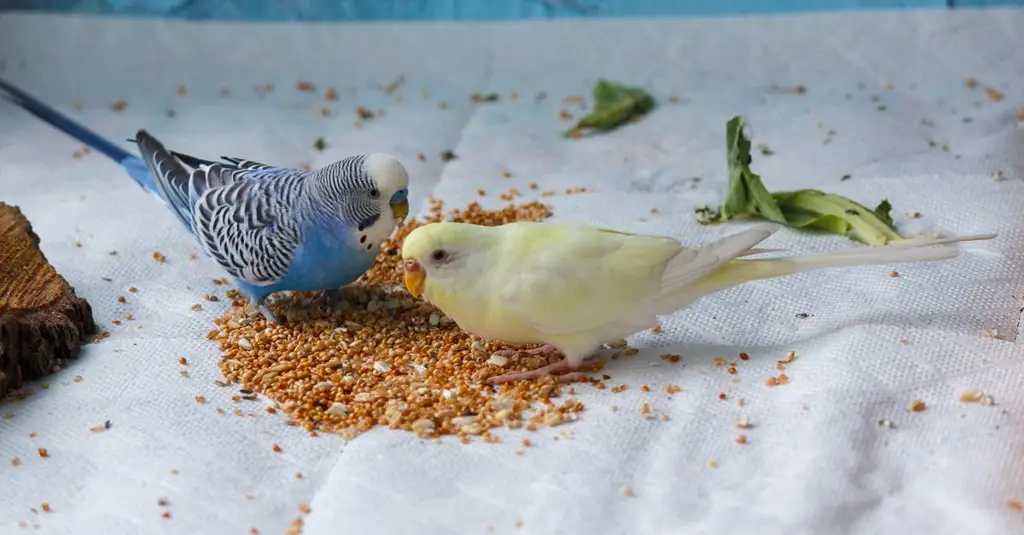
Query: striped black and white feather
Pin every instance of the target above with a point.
(239, 210)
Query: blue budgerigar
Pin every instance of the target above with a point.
(272, 228)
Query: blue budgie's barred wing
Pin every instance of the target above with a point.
(183, 187)
(229, 162)
(246, 227)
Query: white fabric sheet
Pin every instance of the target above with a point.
(817, 460)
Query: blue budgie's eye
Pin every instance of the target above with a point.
(375, 193)
(400, 196)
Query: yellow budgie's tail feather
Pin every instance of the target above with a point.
(692, 265)
(915, 250)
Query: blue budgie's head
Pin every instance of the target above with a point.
(369, 192)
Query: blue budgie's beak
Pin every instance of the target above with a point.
(400, 204)
(400, 209)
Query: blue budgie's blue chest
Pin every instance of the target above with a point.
(326, 262)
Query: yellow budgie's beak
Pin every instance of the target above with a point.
(400, 209)
(415, 277)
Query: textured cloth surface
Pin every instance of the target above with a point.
(817, 460)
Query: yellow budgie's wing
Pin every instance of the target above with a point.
(565, 278)
(574, 279)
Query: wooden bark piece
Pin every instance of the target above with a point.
(42, 322)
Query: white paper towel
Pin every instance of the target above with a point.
(817, 460)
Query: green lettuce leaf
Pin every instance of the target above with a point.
(614, 105)
(748, 197)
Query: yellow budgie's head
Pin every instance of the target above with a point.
(439, 252)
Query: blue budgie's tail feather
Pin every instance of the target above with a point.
(62, 122)
(236, 163)
(65, 124)
(170, 176)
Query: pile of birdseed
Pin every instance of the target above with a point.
(379, 357)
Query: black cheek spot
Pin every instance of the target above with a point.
(362, 239)
(369, 246)
(362, 228)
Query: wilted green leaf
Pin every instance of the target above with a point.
(614, 105)
(807, 208)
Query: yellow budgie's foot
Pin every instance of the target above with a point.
(555, 368)
(561, 366)
(507, 353)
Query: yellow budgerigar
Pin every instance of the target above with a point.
(573, 287)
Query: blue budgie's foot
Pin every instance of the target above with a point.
(328, 298)
(267, 314)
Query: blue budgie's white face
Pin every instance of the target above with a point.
(369, 192)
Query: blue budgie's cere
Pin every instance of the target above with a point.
(272, 228)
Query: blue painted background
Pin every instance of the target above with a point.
(367, 10)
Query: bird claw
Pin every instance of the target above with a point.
(328, 298)
(561, 369)
(508, 353)
(268, 315)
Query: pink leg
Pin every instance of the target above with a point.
(555, 368)
(535, 352)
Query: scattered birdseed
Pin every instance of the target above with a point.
(744, 356)
(994, 94)
(43, 452)
(320, 144)
(672, 389)
(712, 464)
(182, 360)
(916, 406)
(628, 492)
(976, 396)
(885, 423)
(446, 155)
(742, 439)
(276, 448)
(15, 461)
(722, 396)
(45, 507)
(743, 423)
(200, 399)
(1016, 505)
(119, 105)
(483, 97)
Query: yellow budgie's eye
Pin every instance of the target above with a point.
(439, 255)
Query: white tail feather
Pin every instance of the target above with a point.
(916, 250)
(691, 265)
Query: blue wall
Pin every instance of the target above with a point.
(336, 10)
